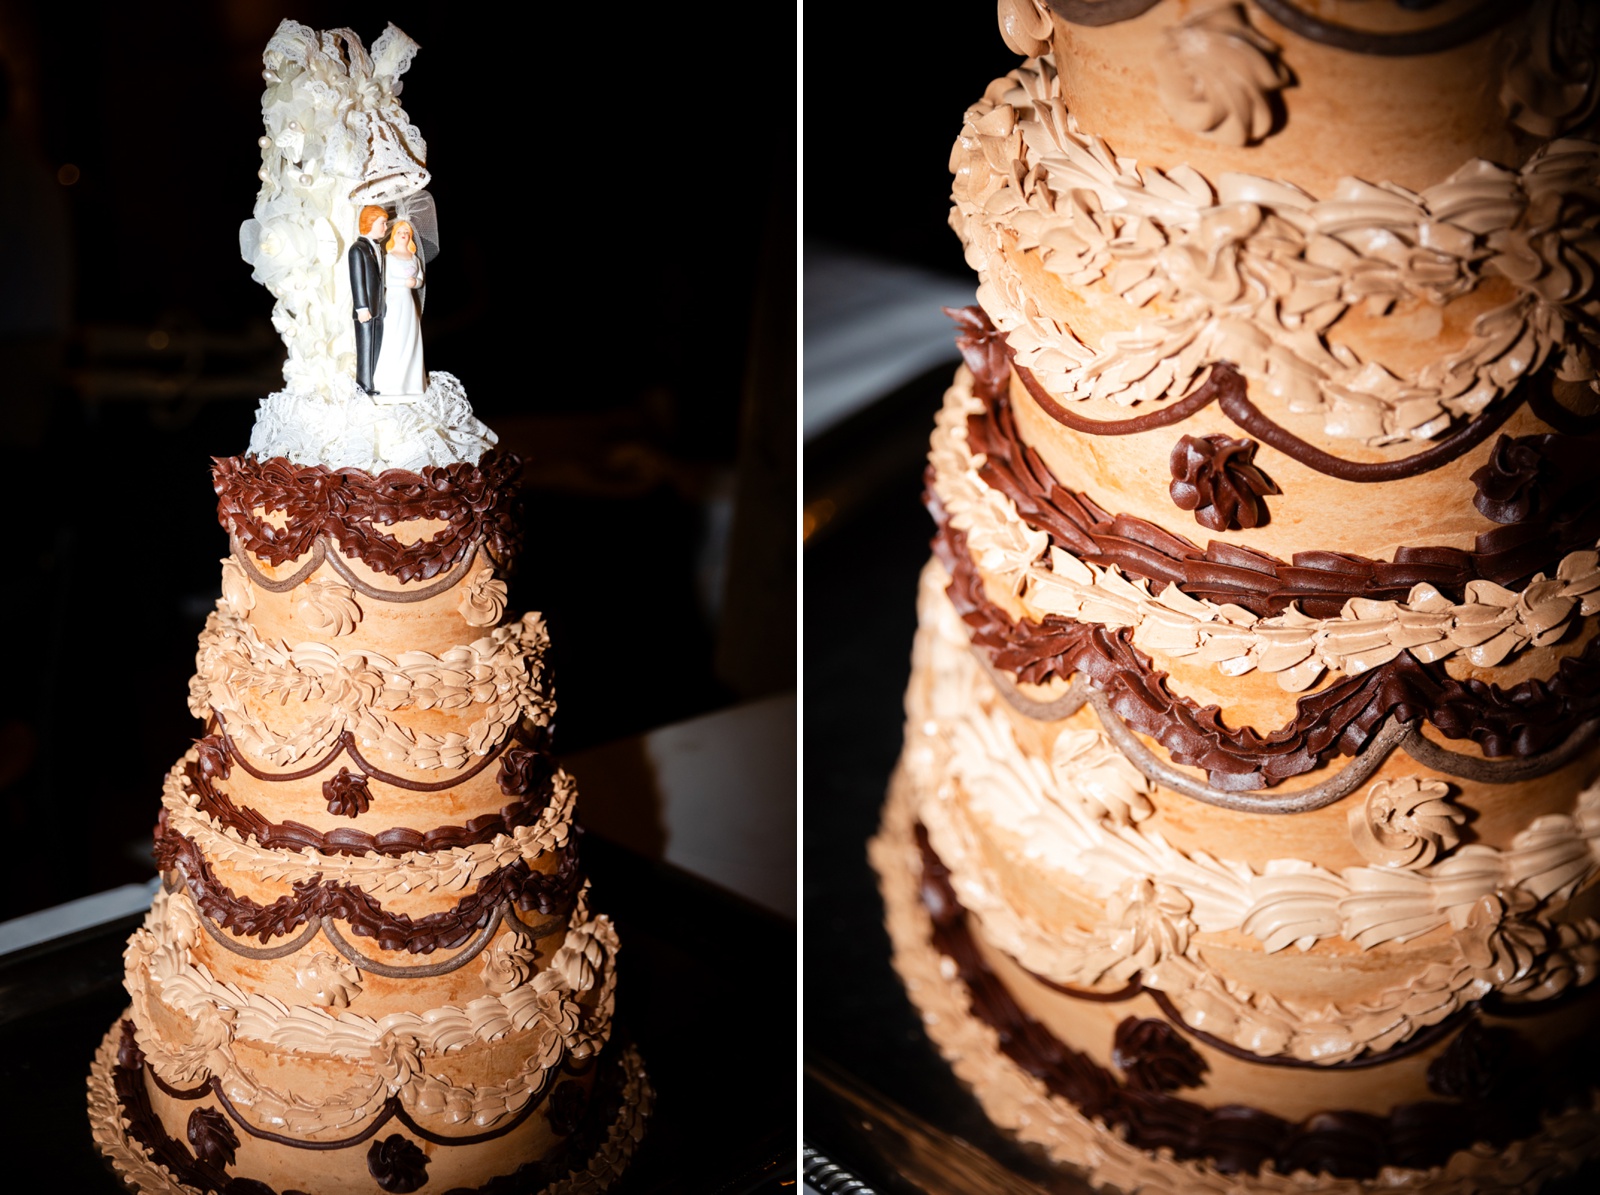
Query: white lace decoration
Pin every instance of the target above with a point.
(346, 429)
(337, 139)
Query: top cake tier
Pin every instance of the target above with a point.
(1388, 246)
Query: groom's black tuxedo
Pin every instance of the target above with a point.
(366, 290)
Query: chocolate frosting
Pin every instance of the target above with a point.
(1234, 1138)
(1216, 477)
(1529, 475)
(983, 348)
(348, 506)
(1568, 520)
(1454, 31)
(569, 1155)
(1152, 1056)
(397, 1164)
(212, 1138)
(347, 795)
(128, 1079)
(548, 892)
(1340, 718)
(522, 771)
(1101, 12)
(1473, 1064)
(538, 790)
(981, 344)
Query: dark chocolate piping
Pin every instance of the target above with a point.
(1434, 39)
(391, 1107)
(534, 1100)
(1064, 706)
(475, 501)
(1500, 771)
(319, 553)
(1303, 800)
(1116, 997)
(1391, 736)
(1468, 436)
(275, 777)
(544, 929)
(260, 952)
(145, 1128)
(431, 786)
(1207, 393)
(1420, 1040)
(1510, 554)
(422, 971)
(418, 595)
(1225, 386)
(1101, 12)
(1236, 1138)
(347, 745)
(314, 898)
(1125, 685)
(180, 1093)
(329, 927)
(348, 840)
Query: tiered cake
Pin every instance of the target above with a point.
(1247, 827)
(373, 965)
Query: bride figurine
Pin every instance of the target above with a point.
(398, 372)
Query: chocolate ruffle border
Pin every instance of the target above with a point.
(128, 1132)
(322, 901)
(1540, 723)
(349, 506)
(532, 779)
(1235, 1140)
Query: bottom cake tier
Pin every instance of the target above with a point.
(392, 1155)
(1098, 1089)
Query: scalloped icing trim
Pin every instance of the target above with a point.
(503, 673)
(451, 870)
(398, 1045)
(1488, 630)
(1080, 819)
(1253, 271)
(136, 1167)
(1020, 1103)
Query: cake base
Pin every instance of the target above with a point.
(616, 1125)
(1021, 1103)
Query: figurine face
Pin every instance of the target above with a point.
(379, 228)
(402, 239)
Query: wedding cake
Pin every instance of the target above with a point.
(373, 964)
(1246, 831)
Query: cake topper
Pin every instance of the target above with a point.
(343, 234)
(338, 147)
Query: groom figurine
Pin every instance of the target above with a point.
(366, 290)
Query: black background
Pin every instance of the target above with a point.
(617, 212)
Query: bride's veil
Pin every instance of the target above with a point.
(418, 210)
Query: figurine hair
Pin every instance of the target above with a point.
(370, 215)
(396, 227)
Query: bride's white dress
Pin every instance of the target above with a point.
(398, 370)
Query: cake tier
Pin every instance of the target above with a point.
(1113, 1083)
(1249, 671)
(1371, 290)
(583, 1129)
(373, 959)
(1321, 936)
(359, 672)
